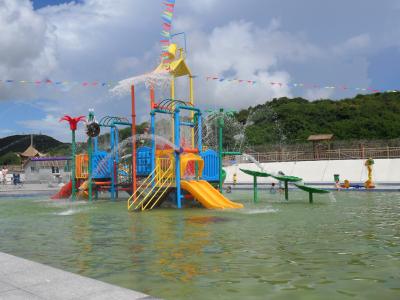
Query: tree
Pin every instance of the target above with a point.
(10, 158)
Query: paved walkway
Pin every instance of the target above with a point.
(25, 279)
(10, 190)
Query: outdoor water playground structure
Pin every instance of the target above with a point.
(175, 165)
(183, 168)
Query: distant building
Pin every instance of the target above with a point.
(321, 143)
(47, 169)
(30, 152)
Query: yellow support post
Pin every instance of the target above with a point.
(173, 107)
(191, 99)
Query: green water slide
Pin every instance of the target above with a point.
(311, 190)
(255, 174)
(223, 173)
(286, 179)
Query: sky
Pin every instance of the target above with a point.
(347, 44)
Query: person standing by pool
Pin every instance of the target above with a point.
(272, 189)
(4, 172)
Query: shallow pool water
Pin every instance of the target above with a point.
(341, 247)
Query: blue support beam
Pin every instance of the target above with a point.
(112, 175)
(161, 111)
(179, 107)
(200, 133)
(188, 124)
(116, 160)
(177, 159)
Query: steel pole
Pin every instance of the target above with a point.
(90, 157)
(255, 195)
(73, 171)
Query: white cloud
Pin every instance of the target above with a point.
(51, 125)
(202, 5)
(319, 93)
(245, 51)
(115, 39)
(27, 45)
(126, 64)
(6, 132)
(356, 43)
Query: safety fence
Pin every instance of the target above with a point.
(337, 154)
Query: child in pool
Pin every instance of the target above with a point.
(272, 190)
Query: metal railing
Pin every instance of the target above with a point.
(154, 187)
(337, 154)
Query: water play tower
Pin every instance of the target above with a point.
(180, 169)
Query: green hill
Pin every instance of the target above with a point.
(374, 116)
(13, 144)
(364, 117)
(19, 143)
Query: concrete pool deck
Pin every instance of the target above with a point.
(28, 189)
(24, 279)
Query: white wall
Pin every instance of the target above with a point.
(384, 170)
(44, 174)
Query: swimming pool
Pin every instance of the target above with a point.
(346, 246)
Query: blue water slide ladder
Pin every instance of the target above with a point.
(211, 165)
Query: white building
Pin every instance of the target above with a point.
(48, 169)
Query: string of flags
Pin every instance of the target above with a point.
(59, 83)
(297, 85)
(165, 40)
(215, 79)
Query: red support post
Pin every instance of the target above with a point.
(152, 98)
(190, 150)
(133, 141)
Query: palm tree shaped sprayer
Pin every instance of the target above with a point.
(73, 124)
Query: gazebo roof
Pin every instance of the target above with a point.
(320, 137)
(31, 152)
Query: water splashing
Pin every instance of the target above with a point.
(255, 161)
(125, 147)
(154, 79)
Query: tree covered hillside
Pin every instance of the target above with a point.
(375, 116)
